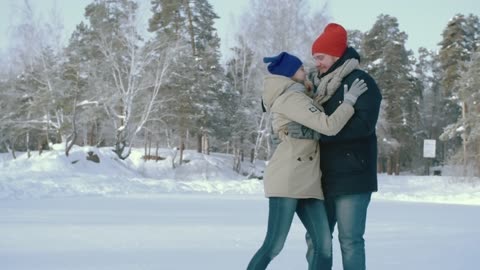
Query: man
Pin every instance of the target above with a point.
(349, 159)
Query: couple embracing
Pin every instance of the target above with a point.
(323, 167)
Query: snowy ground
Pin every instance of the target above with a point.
(135, 215)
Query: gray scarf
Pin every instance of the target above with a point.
(328, 84)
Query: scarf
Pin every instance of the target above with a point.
(328, 85)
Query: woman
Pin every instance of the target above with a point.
(292, 176)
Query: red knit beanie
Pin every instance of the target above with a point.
(333, 41)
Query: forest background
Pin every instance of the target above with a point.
(123, 84)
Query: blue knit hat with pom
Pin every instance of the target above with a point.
(283, 64)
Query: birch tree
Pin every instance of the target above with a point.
(242, 105)
(37, 55)
(126, 59)
(268, 28)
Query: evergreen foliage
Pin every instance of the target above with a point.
(390, 63)
(112, 86)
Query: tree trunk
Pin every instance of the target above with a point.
(199, 142)
(205, 145)
(150, 145)
(464, 139)
(252, 155)
(389, 165)
(40, 147)
(167, 135)
(27, 143)
(73, 136)
(70, 143)
(145, 151)
(173, 158)
(11, 149)
(397, 163)
(47, 131)
(380, 165)
(190, 26)
(91, 134)
(14, 155)
(477, 159)
(181, 147)
(237, 165)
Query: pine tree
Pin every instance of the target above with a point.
(80, 72)
(390, 64)
(469, 92)
(453, 55)
(242, 103)
(197, 79)
(210, 74)
(355, 40)
(468, 125)
(460, 39)
(428, 73)
(14, 125)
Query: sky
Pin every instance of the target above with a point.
(136, 215)
(422, 20)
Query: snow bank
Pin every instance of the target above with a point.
(52, 174)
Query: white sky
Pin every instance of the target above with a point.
(422, 20)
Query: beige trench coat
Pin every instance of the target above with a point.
(294, 168)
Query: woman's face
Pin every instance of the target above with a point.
(323, 62)
(300, 75)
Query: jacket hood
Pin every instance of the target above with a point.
(349, 54)
(273, 87)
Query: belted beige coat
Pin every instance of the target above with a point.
(294, 168)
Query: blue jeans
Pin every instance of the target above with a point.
(349, 212)
(313, 216)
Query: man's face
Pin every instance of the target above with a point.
(324, 61)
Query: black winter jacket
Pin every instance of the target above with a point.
(349, 159)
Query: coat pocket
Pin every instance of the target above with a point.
(342, 161)
(355, 161)
(304, 150)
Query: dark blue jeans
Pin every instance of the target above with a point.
(349, 212)
(313, 216)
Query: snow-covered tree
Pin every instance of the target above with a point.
(197, 77)
(460, 40)
(242, 104)
(122, 61)
(272, 26)
(388, 61)
(355, 40)
(268, 28)
(39, 90)
(428, 73)
(468, 124)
